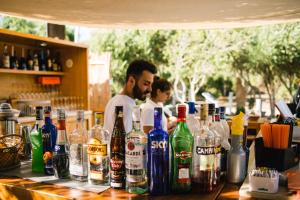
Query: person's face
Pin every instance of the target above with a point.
(163, 96)
(142, 85)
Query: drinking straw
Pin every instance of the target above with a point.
(266, 133)
(276, 135)
(284, 136)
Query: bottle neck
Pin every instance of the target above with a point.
(236, 141)
(158, 122)
(61, 125)
(48, 120)
(39, 122)
(136, 125)
(80, 124)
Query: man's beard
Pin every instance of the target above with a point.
(138, 94)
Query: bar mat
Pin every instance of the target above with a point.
(25, 172)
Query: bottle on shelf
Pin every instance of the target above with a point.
(78, 150)
(36, 65)
(225, 143)
(43, 61)
(23, 64)
(14, 62)
(158, 157)
(181, 154)
(236, 157)
(29, 60)
(49, 61)
(49, 135)
(61, 154)
(204, 154)
(135, 157)
(37, 142)
(117, 151)
(98, 160)
(5, 57)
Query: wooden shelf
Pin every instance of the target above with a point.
(30, 72)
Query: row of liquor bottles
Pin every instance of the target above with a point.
(41, 60)
(156, 161)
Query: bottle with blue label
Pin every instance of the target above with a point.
(158, 157)
(49, 134)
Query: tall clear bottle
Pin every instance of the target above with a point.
(181, 157)
(213, 126)
(61, 154)
(117, 151)
(49, 134)
(78, 150)
(204, 154)
(135, 157)
(158, 157)
(98, 160)
(37, 142)
(191, 121)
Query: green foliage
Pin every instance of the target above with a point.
(23, 25)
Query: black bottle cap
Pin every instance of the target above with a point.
(118, 109)
(39, 112)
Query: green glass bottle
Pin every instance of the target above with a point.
(37, 142)
(181, 157)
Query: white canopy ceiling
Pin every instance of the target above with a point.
(156, 13)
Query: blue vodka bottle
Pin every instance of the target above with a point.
(49, 134)
(158, 156)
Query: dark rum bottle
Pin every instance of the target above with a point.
(117, 151)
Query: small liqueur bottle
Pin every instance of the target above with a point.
(29, 60)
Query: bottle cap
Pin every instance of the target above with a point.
(118, 109)
(192, 108)
(80, 115)
(61, 114)
(181, 109)
(136, 113)
(39, 113)
(237, 124)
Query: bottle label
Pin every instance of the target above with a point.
(218, 157)
(183, 155)
(135, 154)
(159, 144)
(97, 149)
(116, 163)
(183, 173)
(206, 157)
(98, 160)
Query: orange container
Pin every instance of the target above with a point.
(49, 80)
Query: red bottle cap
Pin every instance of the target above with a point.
(181, 111)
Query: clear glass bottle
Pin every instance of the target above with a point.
(78, 150)
(98, 160)
(117, 151)
(135, 157)
(181, 154)
(61, 154)
(213, 126)
(204, 154)
(37, 142)
(158, 157)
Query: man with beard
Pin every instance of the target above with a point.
(139, 78)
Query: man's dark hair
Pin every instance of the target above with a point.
(137, 67)
(162, 84)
